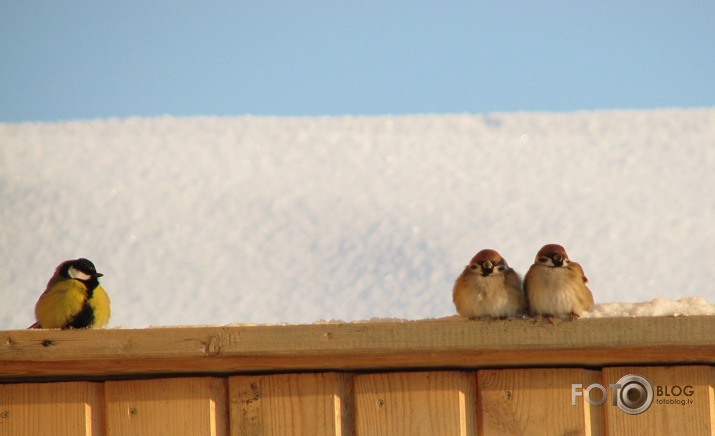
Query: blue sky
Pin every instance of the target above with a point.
(98, 59)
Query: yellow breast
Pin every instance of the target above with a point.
(64, 299)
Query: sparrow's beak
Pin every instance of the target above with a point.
(558, 259)
(487, 268)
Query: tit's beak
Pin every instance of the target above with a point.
(98, 275)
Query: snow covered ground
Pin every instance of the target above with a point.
(266, 220)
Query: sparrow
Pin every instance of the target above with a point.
(555, 287)
(73, 298)
(488, 288)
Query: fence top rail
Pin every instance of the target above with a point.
(382, 345)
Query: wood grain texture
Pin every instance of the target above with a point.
(296, 404)
(171, 407)
(536, 402)
(683, 401)
(68, 408)
(453, 343)
(415, 403)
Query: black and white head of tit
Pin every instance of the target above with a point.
(79, 269)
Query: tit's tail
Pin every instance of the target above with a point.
(36, 325)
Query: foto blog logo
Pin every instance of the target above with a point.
(633, 394)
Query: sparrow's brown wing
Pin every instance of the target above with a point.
(528, 278)
(578, 271)
(513, 286)
(585, 297)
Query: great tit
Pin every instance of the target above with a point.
(73, 299)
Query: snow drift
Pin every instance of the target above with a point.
(255, 219)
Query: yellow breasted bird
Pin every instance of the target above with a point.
(73, 299)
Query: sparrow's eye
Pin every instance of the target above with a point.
(474, 266)
(543, 259)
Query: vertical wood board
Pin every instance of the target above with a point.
(63, 408)
(536, 402)
(310, 404)
(415, 403)
(172, 406)
(682, 400)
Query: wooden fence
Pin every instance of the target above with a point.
(437, 377)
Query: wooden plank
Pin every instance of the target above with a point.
(683, 401)
(452, 343)
(173, 406)
(68, 408)
(416, 403)
(310, 404)
(536, 402)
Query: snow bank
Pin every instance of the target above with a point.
(657, 307)
(290, 220)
